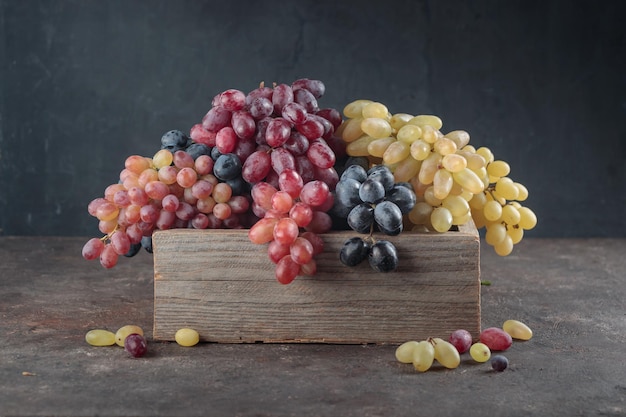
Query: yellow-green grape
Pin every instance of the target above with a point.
(517, 330)
(445, 353)
(441, 219)
(516, 233)
(396, 152)
(457, 205)
(124, 331)
(360, 146)
(404, 352)
(187, 337)
(444, 146)
(492, 210)
(162, 159)
(474, 161)
(377, 147)
(430, 134)
(375, 127)
(352, 130)
(429, 167)
(510, 214)
(423, 356)
(355, 109)
(99, 337)
(460, 137)
(462, 219)
(407, 169)
(478, 201)
(409, 133)
(498, 169)
(442, 183)
(375, 109)
(495, 234)
(427, 120)
(420, 150)
(485, 153)
(480, 352)
(522, 192)
(429, 197)
(469, 181)
(454, 162)
(507, 188)
(399, 119)
(505, 247)
(527, 219)
(420, 213)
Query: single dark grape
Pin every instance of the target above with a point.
(388, 217)
(134, 250)
(239, 186)
(499, 363)
(215, 153)
(356, 172)
(146, 243)
(354, 251)
(347, 192)
(403, 197)
(372, 191)
(361, 218)
(197, 149)
(383, 256)
(135, 345)
(174, 140)
(227, 167)
(382, 174)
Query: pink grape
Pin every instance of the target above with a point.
(316, 87)
(281, 96)
(287, 270)
(282, 159)
(291, 182)
(461, 339)
(243, 124)
(232, 99)
(108, 257)
(216, 118)
(278, 132)
(256, 167)
(92, 249)
(496, 339)
(320, 154)
(261, 107)
(226, 140)
(286, 231)
(314, 193)
(295, 113)
(120, 242)
(312, 129)
(135, 345)
(200, 135)
(306, 99)
(301, 251)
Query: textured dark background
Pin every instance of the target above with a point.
(85, 83)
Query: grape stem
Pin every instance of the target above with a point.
(108, 235)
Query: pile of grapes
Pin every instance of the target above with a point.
(275, 163)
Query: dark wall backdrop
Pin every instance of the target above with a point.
(85, 83)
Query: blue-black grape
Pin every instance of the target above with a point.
(403, 197)
(238, 185)
(382, 174)
(175, 140)
(356, 172)
(227, 167)
(388, 217)
(347, 192)
(383, 256)
(372, 191)
(361, 218)
(134, 249)
(215, 153)
(499, 363)
(146, 243)
(354, 251)
(197, 149)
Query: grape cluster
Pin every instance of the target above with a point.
(454, 181)
(263, 161)
(448, 352)
(371, 200)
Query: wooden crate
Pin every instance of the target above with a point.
(222, 285)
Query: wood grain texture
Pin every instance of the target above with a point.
(222, 285)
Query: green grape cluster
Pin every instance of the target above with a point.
(454, 181)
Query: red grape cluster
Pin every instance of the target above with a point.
(263, 160)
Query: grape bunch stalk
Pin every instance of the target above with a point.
(454, 182)
(372, 200)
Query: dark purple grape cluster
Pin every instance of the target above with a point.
(371, 200)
